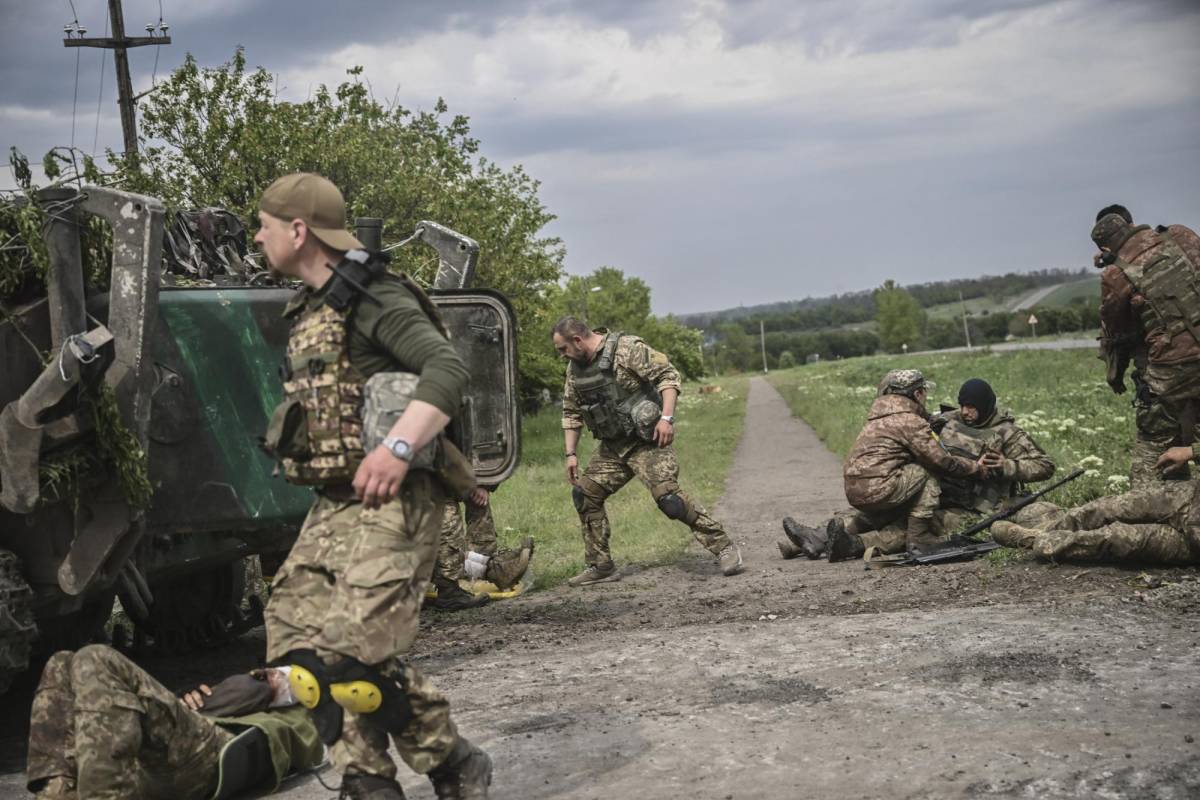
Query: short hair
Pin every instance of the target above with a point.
(1119, 210)
(569, 327)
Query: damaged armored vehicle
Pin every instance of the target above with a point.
(130, 418)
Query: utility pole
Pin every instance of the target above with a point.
(762, 337)
(966, 330)
(119, 43)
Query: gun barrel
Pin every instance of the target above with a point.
(987, 522)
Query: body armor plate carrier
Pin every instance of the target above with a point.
(962, 440)
(1171, 287)
(609, 410)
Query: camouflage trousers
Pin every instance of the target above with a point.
(915, 494)
(103, 725)
(478, 534)
(1162, 408)
(658, 469)
(893, 538)
(1143, 526)
(352, 587)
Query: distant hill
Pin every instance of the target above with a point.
(834, 311)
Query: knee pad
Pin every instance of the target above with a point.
(364, 690)
(673, 506)
(310, 684)
(579, 499)
(588, 504)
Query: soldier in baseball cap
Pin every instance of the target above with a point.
(299, 210)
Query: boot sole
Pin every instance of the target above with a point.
(616, 576)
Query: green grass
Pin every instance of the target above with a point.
(976, 306)
(1069, 293)
(536, 501)
(1058, 397)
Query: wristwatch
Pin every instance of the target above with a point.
(399, 448)
(669, 418)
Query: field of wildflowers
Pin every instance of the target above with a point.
(1058, 397)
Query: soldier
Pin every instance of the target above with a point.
(1159, 525)
(101, 727)
(625, 392)
(483, 560)
(344, 606)
(1150, 315)
(977, 430)
(890, 477)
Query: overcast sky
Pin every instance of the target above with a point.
(727, 152)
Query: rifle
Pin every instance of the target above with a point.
(962, 546)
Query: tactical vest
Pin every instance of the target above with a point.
(1171, 288)
(962, 440)
(608, 409)
(322, 381)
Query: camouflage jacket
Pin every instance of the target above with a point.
(635, 362)
(1122, 335)
(897, 433)
(1024, 461)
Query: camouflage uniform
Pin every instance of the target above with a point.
(1160, 525)
(887, 475)
(101, 724)
(478, 534)
(352, 586)
(616, 461)
(1167, 369)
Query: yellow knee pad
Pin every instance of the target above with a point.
(306, 688)
(357, 697)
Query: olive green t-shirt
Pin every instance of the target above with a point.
(396, 335)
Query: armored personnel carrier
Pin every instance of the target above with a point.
(192, 372)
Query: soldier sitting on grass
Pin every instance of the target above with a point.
(891, 478)
(978, 430)
(101, 727)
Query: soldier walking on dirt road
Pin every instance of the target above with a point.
(345, 604)
(624, 391)
(1150, 315)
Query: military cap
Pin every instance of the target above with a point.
(316, 201)
(904, 381)
(1109, 230)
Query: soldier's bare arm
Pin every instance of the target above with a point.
(664, 430)
(572, 423)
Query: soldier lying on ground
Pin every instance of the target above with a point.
(890, 476)
(102, 728)
(979, 431)
(473, 550)
(1158, 525)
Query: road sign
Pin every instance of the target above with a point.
(1032, 319)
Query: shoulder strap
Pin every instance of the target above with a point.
(609, 353)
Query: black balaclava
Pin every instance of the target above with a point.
(976, 392)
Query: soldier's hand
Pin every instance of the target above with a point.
(1118, 386)
(572, 470)
(1174, 459)
(478, 497)
(378, 478)
(195, 698)
(991, 460)
(664, 433)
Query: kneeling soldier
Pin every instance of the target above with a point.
(891, 478)
(625, 392)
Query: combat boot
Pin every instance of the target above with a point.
(730, 560)
(1010, 534)
(506, 569)
(452, 597)
(788, 550)
(844, 546)
(369, 787)
(593, 574)
(60, 787)
(811, 541)
(465, 774)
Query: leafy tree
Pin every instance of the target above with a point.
(898, 315)
(219, 136)
(787, 360)
(607, 298)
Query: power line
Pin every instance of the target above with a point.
(96, 134)
(75, 98)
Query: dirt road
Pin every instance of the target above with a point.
(806, 679)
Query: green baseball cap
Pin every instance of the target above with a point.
(316, 201)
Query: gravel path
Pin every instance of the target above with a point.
(808, 679)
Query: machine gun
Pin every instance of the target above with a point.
(961, 546)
